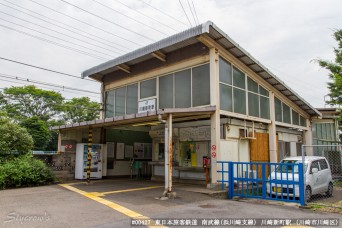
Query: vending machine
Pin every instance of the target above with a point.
(97, 155)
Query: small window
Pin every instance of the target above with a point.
(323, 163)
(132, 99)
(302, 121)
(148, 88)
(225, 72)
(110, 103)
(238, 78)
(264, 107)
(120, 101)
(253, 104)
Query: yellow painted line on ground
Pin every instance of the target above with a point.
(115, 206)
(129, 190)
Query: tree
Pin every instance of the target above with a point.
(14, 138)
(28, 101)
(39, 131)
(80, 109)
(335, 68)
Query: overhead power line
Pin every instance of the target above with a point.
(185, 12)
(55, 43)
(75, 38)
(45, 83)
(164, 13)
(89, 35)
(193, 5)
(104, 19)
(55, 37)
(168, 26)
(61, 91)
(46, 69)
(192, 13)
(86, 23)
(151, 27)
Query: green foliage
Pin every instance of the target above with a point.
(14, 138)
(39, 131)
(24, 171)
(28, 101)
(80, 109)
(335, 68)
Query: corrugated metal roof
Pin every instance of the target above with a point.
(187, 38)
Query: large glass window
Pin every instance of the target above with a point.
(201, 85)
(132, 99)
(183, 89)
(264, 107)
(286, 114)
(226, 98)
(148, 88)
(120, 101)
(278, 110)
(109, 104)
(295, 118)
(225, 71)
(239, 101)
(238, 78)
(166, 91)
(253, 104)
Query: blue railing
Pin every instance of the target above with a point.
(273, 181)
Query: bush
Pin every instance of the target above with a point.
(24, 171)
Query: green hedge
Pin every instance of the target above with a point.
(24, 171)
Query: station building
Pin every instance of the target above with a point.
(214, 97)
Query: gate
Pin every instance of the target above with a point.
(271, 181)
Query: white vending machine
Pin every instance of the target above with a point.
(97, 158)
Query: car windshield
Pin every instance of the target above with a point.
(288, 168)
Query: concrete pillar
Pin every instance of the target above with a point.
(272, 132)
(169, 123)
(308, 139)
(215, 151)
(59, 143)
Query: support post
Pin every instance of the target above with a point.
(272, 132)
(308, 139)
(166, 157)
(90, 144)
(59, 145)
(169, 123)
(214, 151)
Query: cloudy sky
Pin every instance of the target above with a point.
(71, 36)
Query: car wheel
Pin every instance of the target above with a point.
(330, 190)
(308, 194)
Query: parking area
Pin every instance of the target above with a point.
(113, 203)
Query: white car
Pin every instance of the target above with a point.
(317, 176)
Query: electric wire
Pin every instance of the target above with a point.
(74, 28)
(104, 19)
(193, 5)
(55, 43)
(168, 26)
(75, 38)
(65, 91)
(44, 83)
(130, 41)
(185, 12)
(46, 69)
(163, 13)
(192, 13)
(108, 7)
(58, 38)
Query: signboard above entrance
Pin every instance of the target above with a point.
(147, 105)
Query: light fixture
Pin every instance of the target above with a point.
(147, 123)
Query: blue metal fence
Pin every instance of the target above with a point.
(273, 181)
